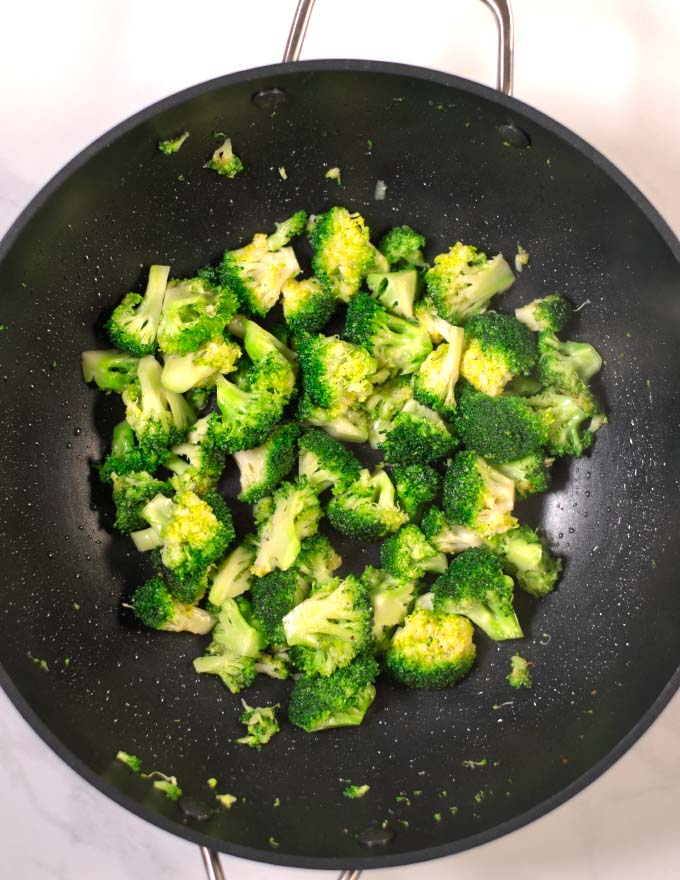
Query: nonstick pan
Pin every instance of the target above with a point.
(461, 161)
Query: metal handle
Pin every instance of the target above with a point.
(350, 875)
(211, 862)
(502, 14)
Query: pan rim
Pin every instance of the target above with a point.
(378, 859)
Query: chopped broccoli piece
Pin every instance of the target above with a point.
(257, 273)
(477, 496)
(224, 161)
(275, 664)
(131, 492)
(416, 485)
(131, 761)
(403, 247)
(339, 700)
(307, 306)
(566, 366)
(391, 598)
(342, 252)
(110, 370)
(336, 374)
(172, 145)
(156, 608)
(159, 418)
(350, 426)
(367, 508)
(530, 474)
(384, 405)
(195, 311)
(434, 383)
(549, 313)
(133, 325)
(167, 784)
(226, 800)
(237, 672)
(317, 561)
(570, 420)
(264, 467)
(525, 557)
(520, 672)
(498, 347)
(274, 595)
(261, 723)
(334, 174)
(445, 536)
(356, 791)
(431, 649)
(474, 585)
(408, 554)
(430, 320)
(284, 519)
(238, 630)
(286, 230)
(325, 462)
(201, 367)
(232, 577)
(417, 435)
(127, 457)
(196, 464)
(395, 290)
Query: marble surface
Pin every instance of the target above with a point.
(607, 69)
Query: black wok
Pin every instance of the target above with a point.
(460, 161)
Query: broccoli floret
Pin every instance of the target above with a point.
(236, 671)
(520, 672)
(224, 161)
(474, 585)
(159, 418)
(549, 313)
(350, 426)
(478, 496)
(383, 406)
(262, 469)
(110, 370)
(133, 324)
(416, 485)
(356, 791)
(196, 464)
(200, 367)
(342, 252)
(259, 343)
(172, 145)
(566, 366)
(380, 263)
(195, 311)
(131, 761)
(462, 282)
(199, 397)
(445, 536)
(431, 649)
(431, 321)
(391, 598)
(325, 462)
(530, 474)
(257, 273)
(284, 519)
(409, 555)
(398, 346)
(274, 595)
(317, 561)
(500, 429)
(417, 435)
(570, 420)
(233, 577)
(395, 290)
(127, 457)
(403, 246)
(261, 723)
(339, 700)
(434, 383)
(131, 493)
(497, 347)
(330, 628)
(237, 630)
(336, 374)
(525, 557)
(367, 508)
(275, 664)
(291, 227)
(156, 608)
(307, 306)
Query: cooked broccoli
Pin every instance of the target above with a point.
(286, 230)
(416, 485)
(367, 508)
(131, 761)
(530, 474)
(325, 462)
(237, 630)
(330, 628)
(133, 324)
(417, 435)
(566, 366)
(127, 457)
(445, 536)
(131, 492)
(525, 557)
(431, 649)
(520, 672)
(391, 598)
(497, 348)
(395, 290)
(478, 496)
(232, 577)
(199, 397)
(434, 383)
(431, 321)
(156, 608)
(262, 469)
(339, 700)
(110, 370)
(196, 464)
(379, 264)
(403, 246)
(172, 145)
(167, 784)
(384, 405)
(474, 585)
(257, 273)
(274, 595)
(181, 372)
(500, 429)
(523, 386)
(224, 161)
(259, 343)
(284, 519)
(261, 723)
(195, 311)
(275, 664)
(398, 345)
(570, 420)
(307, 306)
(236, 671)
(335, 374)
(462, 282)
(350, 426)
(317, 561)
(159, 418)
(334, 174)
(409, 555)
(549, 313)
(342, 252)
(356, 791)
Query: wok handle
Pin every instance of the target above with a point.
(502, 13)
(211, 862)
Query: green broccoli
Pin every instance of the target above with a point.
(275, 664)
(477, 496)
(431, 649)
(351, 426)
(182, 372)
(259, 343)
(416, 485)
(431, 321)
(110, 370)
(367, 508)
(396, 291)
(339, 700)
(224, 161)
(398, 345)
(131, 492)
(286, 230)
(263, 468)
(523, 386)
(127, 457)
(133, 324)
(153, 605)
(274, 595)
(317, 561)
(237, 630)
(418, 435)
(330, 628)
(336, 374)
(257, 273)
(172, 145)
(356, 791)
(498, 347)
(549, 313)
(530, 474)
(435, 382)
(408, 554)
(307, 306)
(196, 464)
(159, 418)
(199, 398)
(380, 263)
(520, 672)
(391, 598)
(342, 252)
(566, 366)
(261, 723)
(570, 420)
(384, 405)
(403, 246)
(131, 761)
(233, 577)
(525, 557)
(236, 671)
(325, 462)
(195, 311)
(474, 585)
(284, 519)
(445, 536)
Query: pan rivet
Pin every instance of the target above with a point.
(267, 99)
(375, 837)
(194, 809)
(514, 136)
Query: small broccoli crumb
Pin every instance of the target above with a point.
(369, 144)
(224, 161)
(473, 764)
(404, 822)
(356, 791)
(521, 258)
(67, 661)
(453, 810)
(283, 174)
(3, 327)
(227, 800)
(261, 724)
(131, 761)
(479, 797)
(380, 190)
(545, 639)
(520, 674)
(402, 799)
(497, 706)
(76, 606)
(334, 174)
(212, 782)
(167, 784)
(437, 817)
(273, 842)
(172, 145)
(54, 365)
(277, 802)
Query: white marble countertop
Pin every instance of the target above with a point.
(70, 70)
